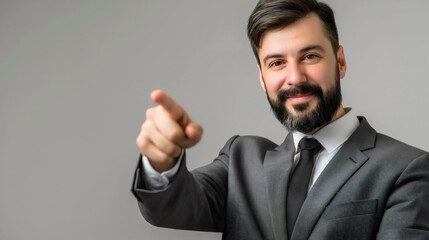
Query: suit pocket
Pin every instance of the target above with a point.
(349, 209)
(354, 220)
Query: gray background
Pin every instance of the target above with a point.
(75, 79)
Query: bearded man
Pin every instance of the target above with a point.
(334, 176)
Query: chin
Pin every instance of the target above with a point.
(301, 109)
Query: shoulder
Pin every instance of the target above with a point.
(251, 142)
(245, 145)
(396, 156)
(382, 146)
(393, 146)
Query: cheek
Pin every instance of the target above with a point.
(320, 76)
(274, 81)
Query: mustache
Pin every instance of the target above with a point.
(299, 90)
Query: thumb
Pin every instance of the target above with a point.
(193, 132)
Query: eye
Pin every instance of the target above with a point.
(310, 56)
(276, 63)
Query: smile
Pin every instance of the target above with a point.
(300, 98)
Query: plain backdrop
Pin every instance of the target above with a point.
(75, 79)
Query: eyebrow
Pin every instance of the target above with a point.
(306, 49)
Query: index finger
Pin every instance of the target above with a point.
(174, 109)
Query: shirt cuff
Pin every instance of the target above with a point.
(155, 180)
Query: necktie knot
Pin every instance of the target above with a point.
(309, 144)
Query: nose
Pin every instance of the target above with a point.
(295, 75)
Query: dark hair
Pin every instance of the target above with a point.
(276, 14)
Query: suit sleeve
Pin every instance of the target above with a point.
(193, 200)
(406, 213)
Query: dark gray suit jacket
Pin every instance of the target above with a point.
(374, 188)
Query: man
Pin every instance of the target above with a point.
(334, 176)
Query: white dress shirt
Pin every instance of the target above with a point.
(331, 137)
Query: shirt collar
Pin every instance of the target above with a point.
(333, 135)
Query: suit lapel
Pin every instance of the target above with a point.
(339, 170)
(277, 167)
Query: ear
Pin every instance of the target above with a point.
(341, 59)
(261, 79)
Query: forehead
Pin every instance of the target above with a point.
(304, 32)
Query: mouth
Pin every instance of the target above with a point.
(300, 98)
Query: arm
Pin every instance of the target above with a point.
(406, 213)
(193, 201)
(190, 201)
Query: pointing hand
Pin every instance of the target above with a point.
(166, 131)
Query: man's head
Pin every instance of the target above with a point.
(300, 61)
(269, 15)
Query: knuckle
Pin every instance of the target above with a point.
(141, 142)
(145, 127)
(149, 112)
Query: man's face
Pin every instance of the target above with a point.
(301, 74)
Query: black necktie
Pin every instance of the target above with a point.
(298, 183)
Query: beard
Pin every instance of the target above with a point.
(327, 105)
